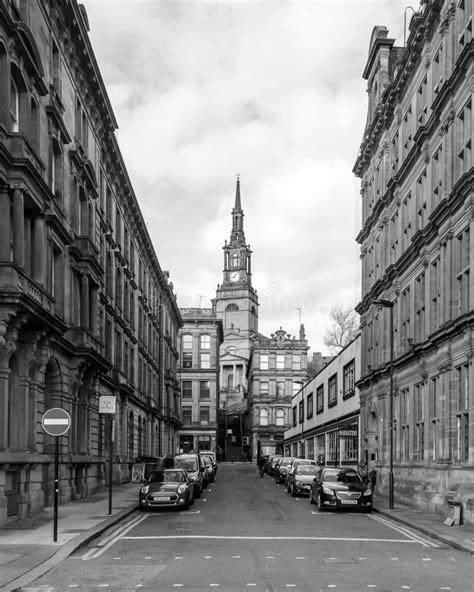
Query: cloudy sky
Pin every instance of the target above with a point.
(271, 90)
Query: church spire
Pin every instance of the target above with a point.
(237, 236)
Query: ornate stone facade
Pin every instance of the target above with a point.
(85, 308)
(415, 164)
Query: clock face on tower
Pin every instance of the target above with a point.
(234, 276)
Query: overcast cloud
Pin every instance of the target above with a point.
(203, 91)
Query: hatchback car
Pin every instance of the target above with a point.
(300, 478)
(192, 463)
(208, 471)
(272, 461)
(293, 465)
(282, 467)
(340, 488)
(211, 456)
(165, 488)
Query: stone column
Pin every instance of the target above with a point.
(4, 223)
(85, 301)
(4, 397)
(18, 228)
(39, 250)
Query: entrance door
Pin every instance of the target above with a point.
(12, 492)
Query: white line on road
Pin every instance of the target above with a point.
(414, 537)
(115, 539)
(263, 538)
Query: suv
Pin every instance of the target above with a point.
(192, 463)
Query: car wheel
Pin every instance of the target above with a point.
(319, 504)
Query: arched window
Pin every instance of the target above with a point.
(57, 178)
(263, 417)
(231, 307)
(33, 132)
(187, 341)
(280, 417)
(235, 260)
(14, 106)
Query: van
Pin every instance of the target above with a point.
(192, 463)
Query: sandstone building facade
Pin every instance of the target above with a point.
(85, 308)
(417, 180)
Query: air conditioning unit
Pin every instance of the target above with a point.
(245, 440)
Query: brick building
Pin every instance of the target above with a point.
(85, 308)
(415, 165)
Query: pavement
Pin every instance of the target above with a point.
(27, 550)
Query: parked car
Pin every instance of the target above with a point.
(340, 488)
(294, 464)
(208, 472)
(211, 456)
(300, 478)
(282, 467)
(192, 463)
(165, 488)
(272, 461)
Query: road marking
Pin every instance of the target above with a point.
(426, 559)
(178, 585)
(362, 558)
(208, 557)
(301, 558)
(211, 585)
(411, 535)
(187, 513)
(394, 558)
(237, 557)
(265, 538)
(270, 557)
(114, 540)
(179, 557)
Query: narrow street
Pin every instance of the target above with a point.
(248, 533)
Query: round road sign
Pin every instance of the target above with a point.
(56, 421)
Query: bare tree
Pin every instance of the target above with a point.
(342, 329)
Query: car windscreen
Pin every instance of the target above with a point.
(188, 464)
(307, 469)
(342, 477)
(286, 462)
(156, 477)
(174, 477)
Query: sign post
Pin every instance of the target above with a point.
(56, 422)
(107, 404)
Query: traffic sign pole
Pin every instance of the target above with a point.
(111, 458)
(56, 487)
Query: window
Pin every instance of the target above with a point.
(187, 389)
(263, 361)
(231, 307)
(235, 260)
(461, 400)
(407, 131)
(434, 420)
(394, 154)
(464, 139)
(264, 388)
(263, 417)
(320, 399)
(437, 172)
(301, 412)
(186, 415)
(437, 70)
(421, 212)
(420, 308)
(435, 295)
(296, 387)
(280, 361)
(205, 342)
(294, 416)
(187, 360)
(296, 362)
(204, 389)
(205, 360)
(280, 386)
(280, 417)
(406, 222)
(14, 106)
(204, 413)
(349, 380)
(309, 406)
(394, 238)
(421, 103)
(405, 316)
(462, 273)
(332, 391)
(465, 22)
(419, 405)
(405, 423)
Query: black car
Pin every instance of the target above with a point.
(281, 468)
(165, 488)
(340, 488)
(190, 462)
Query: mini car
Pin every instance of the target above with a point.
(166, 488)
(340, 488)
(192, 463)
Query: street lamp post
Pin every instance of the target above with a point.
(389, 304)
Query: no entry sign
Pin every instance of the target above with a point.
(56, 421)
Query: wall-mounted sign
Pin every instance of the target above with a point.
(348, 432)
(107, 404)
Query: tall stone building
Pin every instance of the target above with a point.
(200, 338)
(277, 370)
(85, 309)
(236, 305)
(415, 163)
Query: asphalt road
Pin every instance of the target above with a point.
(247, 534)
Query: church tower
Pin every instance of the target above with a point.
(236, 304)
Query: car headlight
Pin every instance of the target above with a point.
(182, 488)
(327, 491)
(367, 492)
(145, 489)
